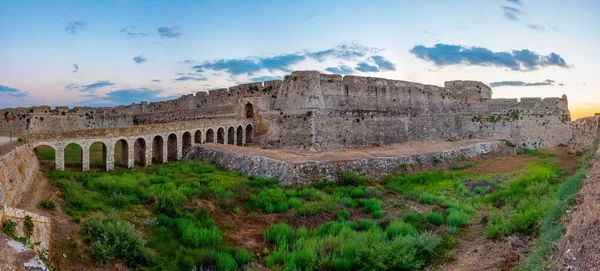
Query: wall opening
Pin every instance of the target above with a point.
(231, 136)
(139, 152)
(249, 133)
(172, 147)
(46, 156)
(121, 153)
(157, 149)
(221, 136)
(249, 111)
(198, 137)
(98, 156)
(210, 136)
(187, 142)
(239, 136)
(73, 157)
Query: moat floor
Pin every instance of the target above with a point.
(349, 154)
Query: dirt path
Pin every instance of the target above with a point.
(351, 154)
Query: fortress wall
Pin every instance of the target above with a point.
(18, 169)
(586, 130)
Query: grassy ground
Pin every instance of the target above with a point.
(195, 216)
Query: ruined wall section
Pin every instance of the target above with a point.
(586, 130)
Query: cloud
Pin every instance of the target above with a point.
(265, 78)
(365, 67)
(156, 80)
(139, 59)
(536, 27)
(342, 69)
(73, 27)
(383, 63)
(96, 85)
(511, 13)
(128, 96)
(12, 92)
(547, 82)
(429, 33)
(189, 78)
(518, 2)
(189, 61)
(128, 32)
(523, 60)
(72, 86)
(75, 67)
(169, 32)
(285, 62)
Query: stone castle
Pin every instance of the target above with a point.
(312, 111)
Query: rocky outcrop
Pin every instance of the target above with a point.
(16, 256)
(305, 172)
(586, 130)
(18, 169)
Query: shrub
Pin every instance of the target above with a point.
(193, 235)
(358, 192)
(313, 207)
(48, 204)
(28, 224)
(377, 214)
(262, 182)
(342, 215)
(365, 225)
(370, 205)
(115, 239)
(242, 256)
(20, 139)
(478, 190)
(458, 219)
(270, 200)
(225, 262)
(294, 203)
(434, 218)
(279, 234)
(427, 198)
(351, 178)
(169, 201)
(399, 228)
(412, 216)
(452, 230)
(9, 227)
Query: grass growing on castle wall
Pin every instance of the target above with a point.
(175, 216)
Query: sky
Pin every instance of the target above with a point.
(107, 53)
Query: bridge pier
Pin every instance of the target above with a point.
(179, 146)
(109, 158)
(130, 154)
(59, 158)
(85, 158)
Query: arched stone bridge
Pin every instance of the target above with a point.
(144, 143)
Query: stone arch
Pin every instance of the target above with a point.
(231, 135)
(158, 149)
(198, 137)
(187, 142)
(239, 136)
(97, 155)
(172, 147)
(139, 150)
(210, 136)
(221, 135)
(249, 109)
(249, 133)
(121, 152)
(73, 154)
(46, 155)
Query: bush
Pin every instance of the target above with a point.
(262, 182)
(48, 204)
(294, 203)
(412, 216)
(313, 207)
(377, 214)
(365, 225)
(478, 190)
(20, 139)
(115, 239)
(358, 192)
(169, 200)
(279, 234)
(343, 215)
(351, 178)
(434, 218)
(9, 227)
(270, 200)
(458, 219)
(225, 262)
(398, 228)
(193, 235)
(242, 256)
(370, 205)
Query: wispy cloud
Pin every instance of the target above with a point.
(341, 69)
(365, 67)
(139, 59)
(169, 32)
(155, 80)
(511, 13)
(265, 78)
(285, 62)
(429, 33)
(12, 92)
(537, 27)
(72, 86)
(129, 32)
(524, 60)
(74, 27)
(547, 82)
(190, 78)
(98, 84)
(127, 96)
(75, 67)
(517, 2)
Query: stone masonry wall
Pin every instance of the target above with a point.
(586, 130)
(18, 169)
